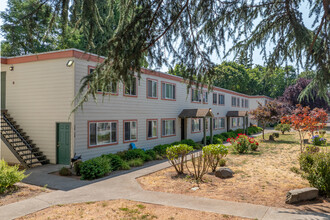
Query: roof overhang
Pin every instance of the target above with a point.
(196, 113)
(237, 113)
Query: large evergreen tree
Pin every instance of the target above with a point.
(192, 30)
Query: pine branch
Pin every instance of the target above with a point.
(317, 33)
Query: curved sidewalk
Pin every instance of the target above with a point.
(123, 185)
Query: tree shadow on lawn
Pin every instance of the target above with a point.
(279, 142)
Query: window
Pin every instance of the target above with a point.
(168, 91)
(238, 102)
(130, 88)
(221, 99)
(102, 133)
(246, 103)
(205, 97)
(238, 122)
(242, 103)
(152, 88)
(222, 123)
(112, 88)
(215, 98)
(195, 95)
(196, 125)
(130, 131)
(233, 122)
(152, 128)
(233, 101)
(168, 127)
(216, 123)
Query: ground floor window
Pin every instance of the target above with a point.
(130, 131)
(168, 127)
(152, 129)
(102, 133)
(196, 125)
(222, 122)
(233, 122)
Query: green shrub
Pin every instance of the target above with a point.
(116, 162)
(9, 175)
(312, 149)
(65, 172)
(152, 154)
(226, 135)
(240, 144)
(217, 139)
(316, 169)
(177, 156)
(95, 168)
(231, 134)
(214, 153)
(317, 140)
(283, 128)
(259, 129)
(239, 131)
(188, 142)
(174, 143)
(161, 149)
(77, 167)
(222, 163)
(135, 162)
(276, 135)
(136, 154)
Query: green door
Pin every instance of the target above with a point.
(63, 143)
(3, 90)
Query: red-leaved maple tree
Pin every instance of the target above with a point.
(305, 120)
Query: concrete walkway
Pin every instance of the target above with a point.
(123, 185)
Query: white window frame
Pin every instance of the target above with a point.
(165, 123)
(154, 83)
(131, 132)
(128, 90)
(112, 90)
(165, 87)
(222, 120)
(196, 125)
(233, 101)
(196, 95)
(205, 97)
(215, 98)
(97, 131)
(223, 99)
(154, 125)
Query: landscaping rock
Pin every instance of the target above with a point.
(195, 188)
(224, 172)
(299, 195)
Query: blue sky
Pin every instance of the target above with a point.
(257, 58)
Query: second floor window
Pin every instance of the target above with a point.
(168, 91)
(196, 125)
(238, 102)
(221, 99)
(243, 103)
(111, 88)
(152, 88)
(195, 95)
(130, 131)
(130, 87)
(233, 101)
(246, 103)
(205, 97)
(215, 98)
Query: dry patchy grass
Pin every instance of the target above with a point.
(261, 178)
(21, 191)
(122, 209)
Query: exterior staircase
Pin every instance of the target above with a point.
(19, 143)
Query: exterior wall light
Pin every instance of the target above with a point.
(69, 63)
(11, 68)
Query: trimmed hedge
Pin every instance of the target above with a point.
(116, 162)
(95, 168)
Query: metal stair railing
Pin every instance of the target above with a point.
(20, 136)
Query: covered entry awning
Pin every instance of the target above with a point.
(237, 113)
(196, 113)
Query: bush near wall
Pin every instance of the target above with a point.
(95, 168)
(9, 175)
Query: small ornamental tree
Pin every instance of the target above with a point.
(304, 120)
(266, 114)
(177, 156)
